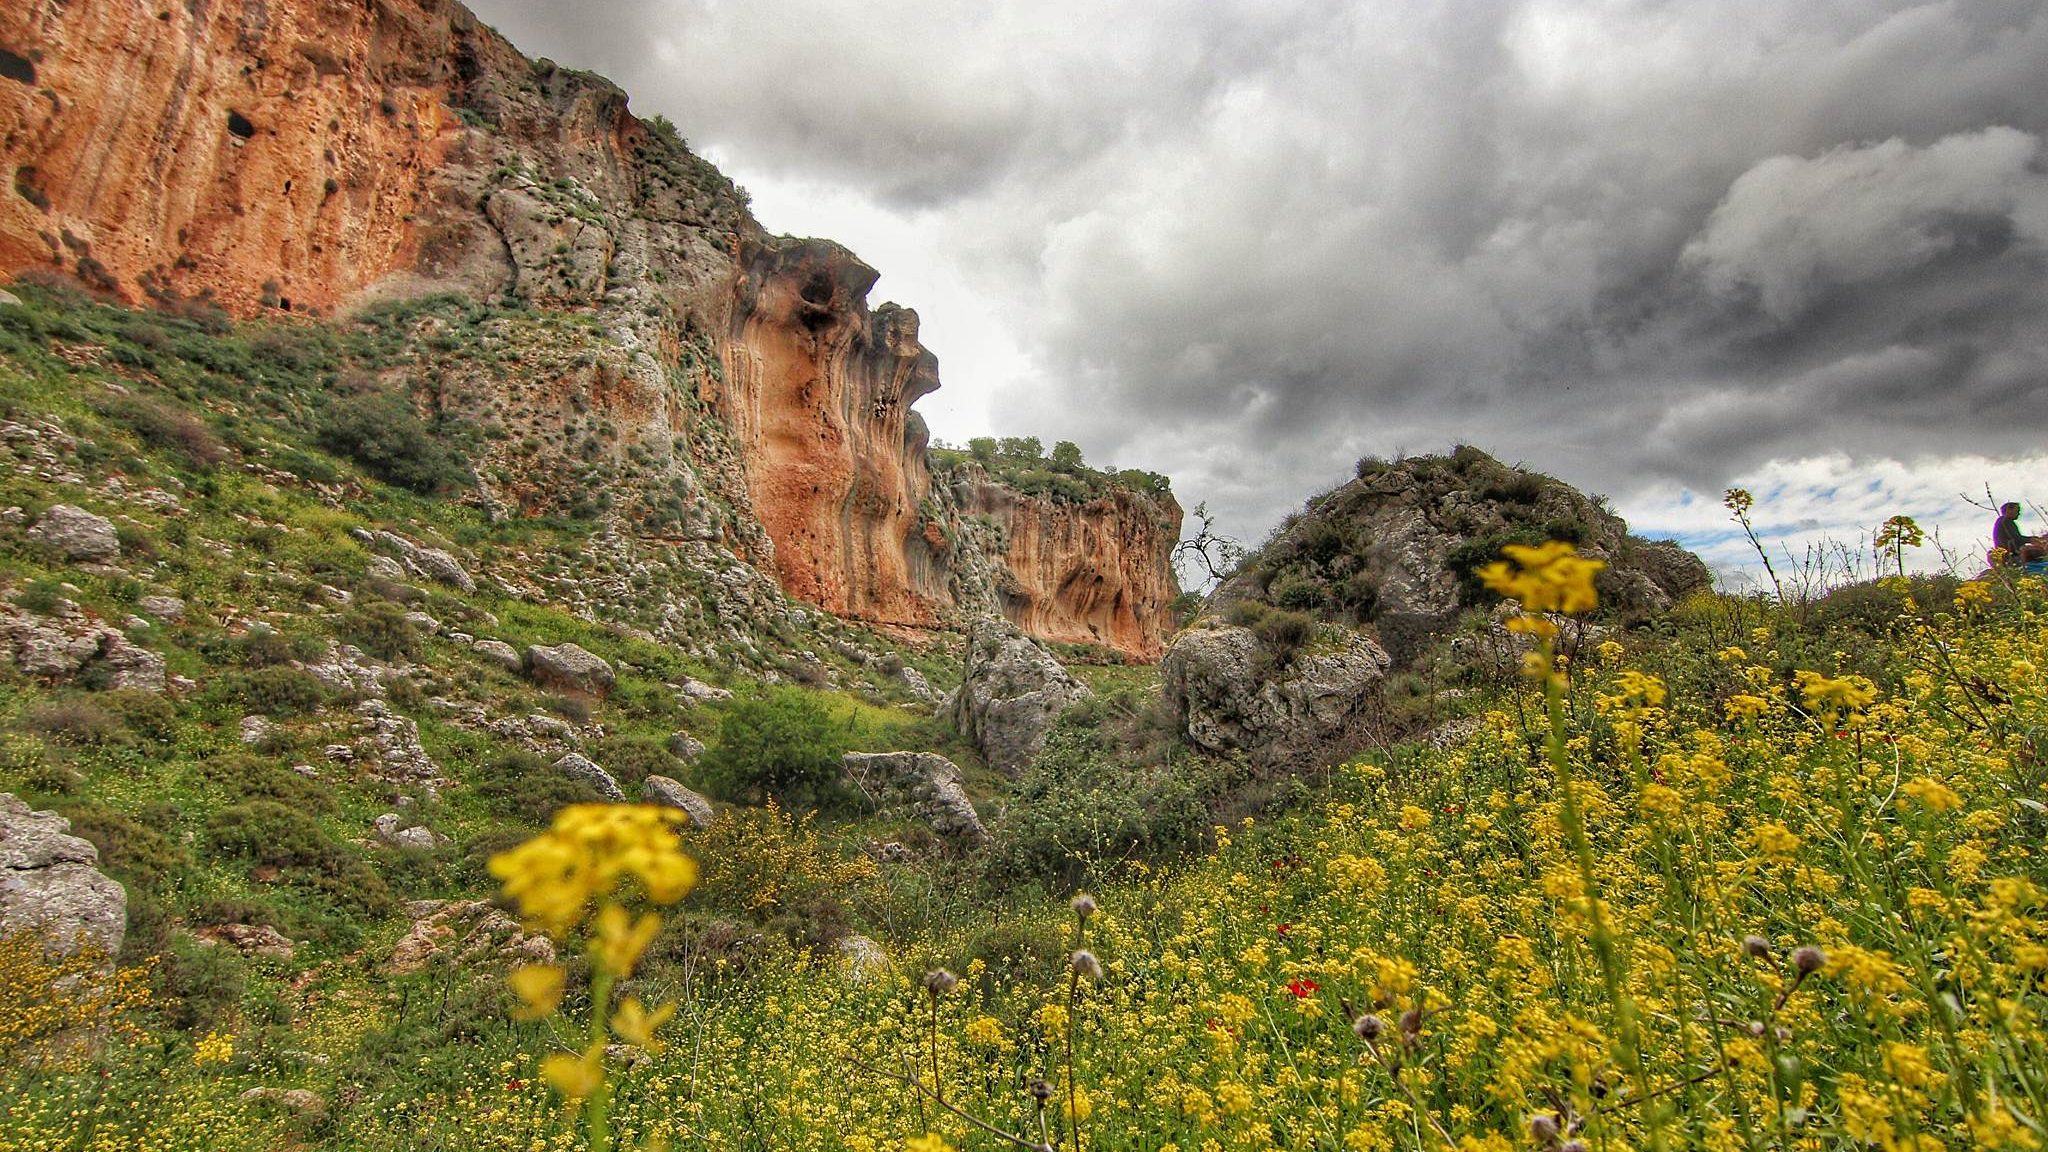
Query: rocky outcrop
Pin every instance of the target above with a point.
(1011, 691)
(671, 793)
(50, 883)
(465, 931)
(1098, 571)
(1395, 549)
(77, 534)
(1228, 694)
(569, 668)
(68, 645)
(928, 784)
(582, 768)
(817, 391)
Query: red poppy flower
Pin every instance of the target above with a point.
(1303, 989)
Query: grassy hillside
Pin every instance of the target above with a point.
(1750, 878)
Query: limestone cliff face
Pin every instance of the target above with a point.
(668, 363)
(818, 389)
(1096, 572)
(267, 152)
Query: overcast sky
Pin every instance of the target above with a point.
(1655, 249)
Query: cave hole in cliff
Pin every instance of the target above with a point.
(16, 67)
(238, 125)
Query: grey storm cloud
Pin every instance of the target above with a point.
(1628, 241)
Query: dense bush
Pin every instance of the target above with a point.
(1085, 806)
(269, 832)
(524, 787)
(781, 744)
(276, 690)
(381, 432)
(380, 628)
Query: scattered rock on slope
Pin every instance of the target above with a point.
(50, 882)
(669, 792)
(77, 534)
(1010, 692)
(569, 668)
(929, 783)
(1227, 694)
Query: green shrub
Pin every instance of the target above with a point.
(1284, 633)
(1084, 806)
(380, 628)
(781, 744)
(245, 776)
(278, 690)
(170, 429)
(269, 832)
(78, 721)
(381, 432)
(521, 786)
(137, 853)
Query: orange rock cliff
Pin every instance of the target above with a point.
(316, 156)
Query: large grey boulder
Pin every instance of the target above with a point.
(671, 793)
(928, 783)
(500, 653)
(583, 768)
(77, 534)
(50, 883)
(1227, 696)
(1010, 693)
(569, 668)
(429, 563)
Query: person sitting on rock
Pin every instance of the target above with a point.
(2009, 544)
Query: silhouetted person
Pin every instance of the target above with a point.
(2006, 537)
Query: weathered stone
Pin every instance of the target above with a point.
(501, 654)
(464, 931)
(77, 534)
(391, 829)
(436, 564)
(1010, 692)
(254, 729)
(1226, 697)
(386, 569)
(685, 747)
(663, 790)
(695, 689)
(50, 883)
(301, 1102)
(924, 781)
(569, 668)
(581, 767)
(251, 939)
(168, 609)
(130, 664)
(862, 961)
(918, 685)
(399, 757)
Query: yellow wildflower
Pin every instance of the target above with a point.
(1932, 794)
(539, 987)
(1550, 577)
(587, 853)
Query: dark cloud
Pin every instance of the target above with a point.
(1633, 242)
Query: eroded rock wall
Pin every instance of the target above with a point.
(1094, 572)
(817, 389)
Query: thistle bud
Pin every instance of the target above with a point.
(1368, 1027)
(1083, 905)
(1086, 966)
(1544, 1128)
(1411, 1023)
(1808, 959)
(938, 982)
(1756, 947)
(1040, 1090)
(1755, 1028)
(1572, 1146)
